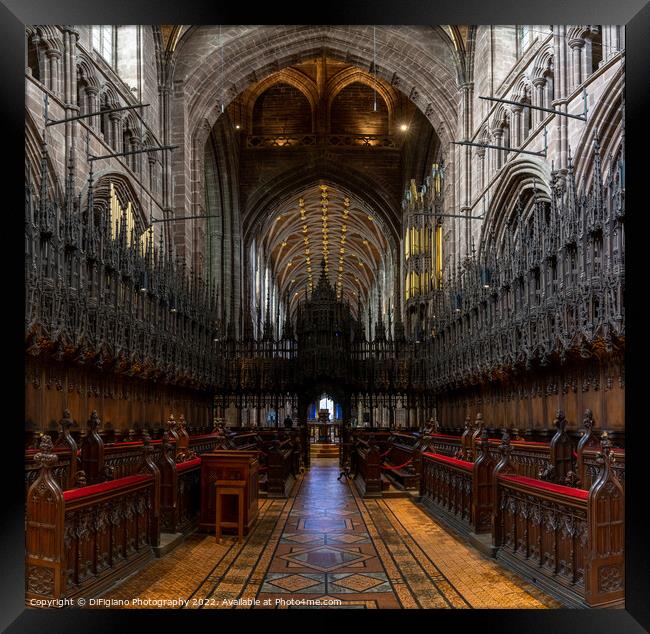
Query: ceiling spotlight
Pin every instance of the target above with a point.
(403, 127)
(237, 126)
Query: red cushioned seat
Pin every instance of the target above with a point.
(547, 486)
(463, 464)
(102, 487)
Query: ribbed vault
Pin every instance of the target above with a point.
(324, 221)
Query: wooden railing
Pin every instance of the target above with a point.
(280, 463)
(81, 541)
(401, 461)
(569, 539)
(446, 483)
(563, 460)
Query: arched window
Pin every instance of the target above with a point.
(596, 48)
(104, 42)
(523, 39)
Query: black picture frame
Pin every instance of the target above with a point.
(15, 14)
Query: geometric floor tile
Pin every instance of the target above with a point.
(348, 538)
(324, 524)
(301, 538)
(280, 582)
(324, 558)
(366, 582)
(327, 544)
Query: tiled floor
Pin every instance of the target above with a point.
(326, 547)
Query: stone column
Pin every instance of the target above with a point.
(516, 122)
(497, 133)
(576, 64)
(480, 153)
(587, 55)
(92, 105)
(116, 140)
(561, 81)
(43, 62)
(466, 114)
(151, 162)
(539, 84)
(52, 64)
(135, 160)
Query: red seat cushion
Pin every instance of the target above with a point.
(463, 464)
(112, 485)
(548, 486)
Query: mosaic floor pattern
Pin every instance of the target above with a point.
(325, 547)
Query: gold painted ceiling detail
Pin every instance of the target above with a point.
(351, 244)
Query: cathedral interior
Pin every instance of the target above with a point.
(325, 316)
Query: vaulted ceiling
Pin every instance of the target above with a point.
(324, 222)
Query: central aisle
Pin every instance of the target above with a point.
(327, 544)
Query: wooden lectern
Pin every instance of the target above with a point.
(224, 466)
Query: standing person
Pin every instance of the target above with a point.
(287, 421)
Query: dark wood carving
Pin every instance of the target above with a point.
(45, 527)
(368, 467)
(504, 466)
(229, 465)
(561, 450)
(466, 440)
(588, 441)
(149, 466)
(81, 542)
(446, 485)
(92, 452)
(605, 579)
(571, 540)
(476, 435)
(482, 487)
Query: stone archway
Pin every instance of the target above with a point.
(419, 61)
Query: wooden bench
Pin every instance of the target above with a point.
(570, 540)
(280, 466)
(402, 460)
(367, 464)
(82, 541)
(446, 486)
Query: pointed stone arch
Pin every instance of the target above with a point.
(520, 177)
(290, 76)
